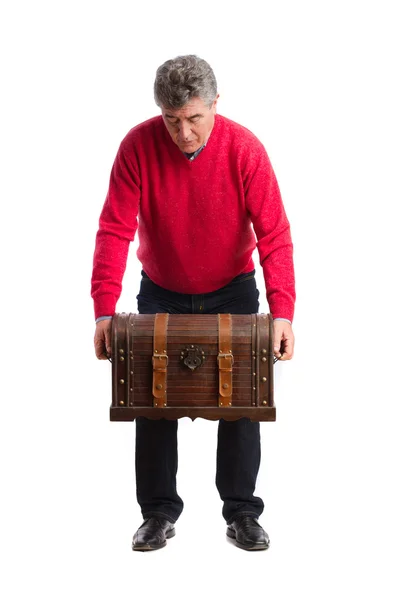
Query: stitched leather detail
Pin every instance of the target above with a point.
(160, 360)
(225, 359)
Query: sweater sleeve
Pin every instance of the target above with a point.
(272, 229)
(117, 228)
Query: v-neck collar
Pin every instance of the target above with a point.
(193, 155)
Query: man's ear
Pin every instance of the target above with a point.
(214, 104)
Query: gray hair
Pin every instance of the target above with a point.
(182, 78)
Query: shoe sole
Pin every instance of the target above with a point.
(147, 547)
(232, 535)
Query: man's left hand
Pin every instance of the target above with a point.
(283, 340)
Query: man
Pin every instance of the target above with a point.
(193, 183)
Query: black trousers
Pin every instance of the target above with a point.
(239, 448)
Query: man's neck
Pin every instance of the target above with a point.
(192, 155)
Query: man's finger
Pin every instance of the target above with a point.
(277, 341)
(102, 339)
(278, 336)
(283, 340)
(100, 349)
(108, 341)
(288, 349)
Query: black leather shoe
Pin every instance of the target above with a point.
(153, 534)
(248, 533)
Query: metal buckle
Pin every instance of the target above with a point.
(160, 356)
(225, 355)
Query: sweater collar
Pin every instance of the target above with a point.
(214, 130)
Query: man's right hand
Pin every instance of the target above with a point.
(102, 339)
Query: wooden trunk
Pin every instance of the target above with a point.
(191, 365)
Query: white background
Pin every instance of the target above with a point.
(317, 82)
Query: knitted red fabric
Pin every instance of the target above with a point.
(194, 218)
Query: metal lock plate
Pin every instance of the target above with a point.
(193, 357)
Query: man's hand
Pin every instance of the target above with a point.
(283, 340)
(102, 339)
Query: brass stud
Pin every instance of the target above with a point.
(254, 388)
(264, 351)
(165, 404)
(121, 351)
(254, 325)
(192, 346)
(156, 351)
(130, 403)
(121, 358)
(254, 358)
(131, 372)
(230, 403)
(253, 403)
(131, 389)
(122, 381)
(121, 402)
(225, 386)
(159, 386)
(264, 379)
(264, 359)
(264, 402)
(253, 352)
(254, 374)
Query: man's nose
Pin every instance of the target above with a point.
(184, 131)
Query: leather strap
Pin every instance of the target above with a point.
(160, 360)
(119, 360)
(254, 366)
(225, 359)
(131, 363)
(265, 369)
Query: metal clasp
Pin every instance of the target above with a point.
(159, 356)
(225, 355)
(193, 357)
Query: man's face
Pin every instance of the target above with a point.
(190, 125)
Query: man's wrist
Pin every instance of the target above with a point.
(103, 318)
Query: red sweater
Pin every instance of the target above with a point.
(194, 218)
